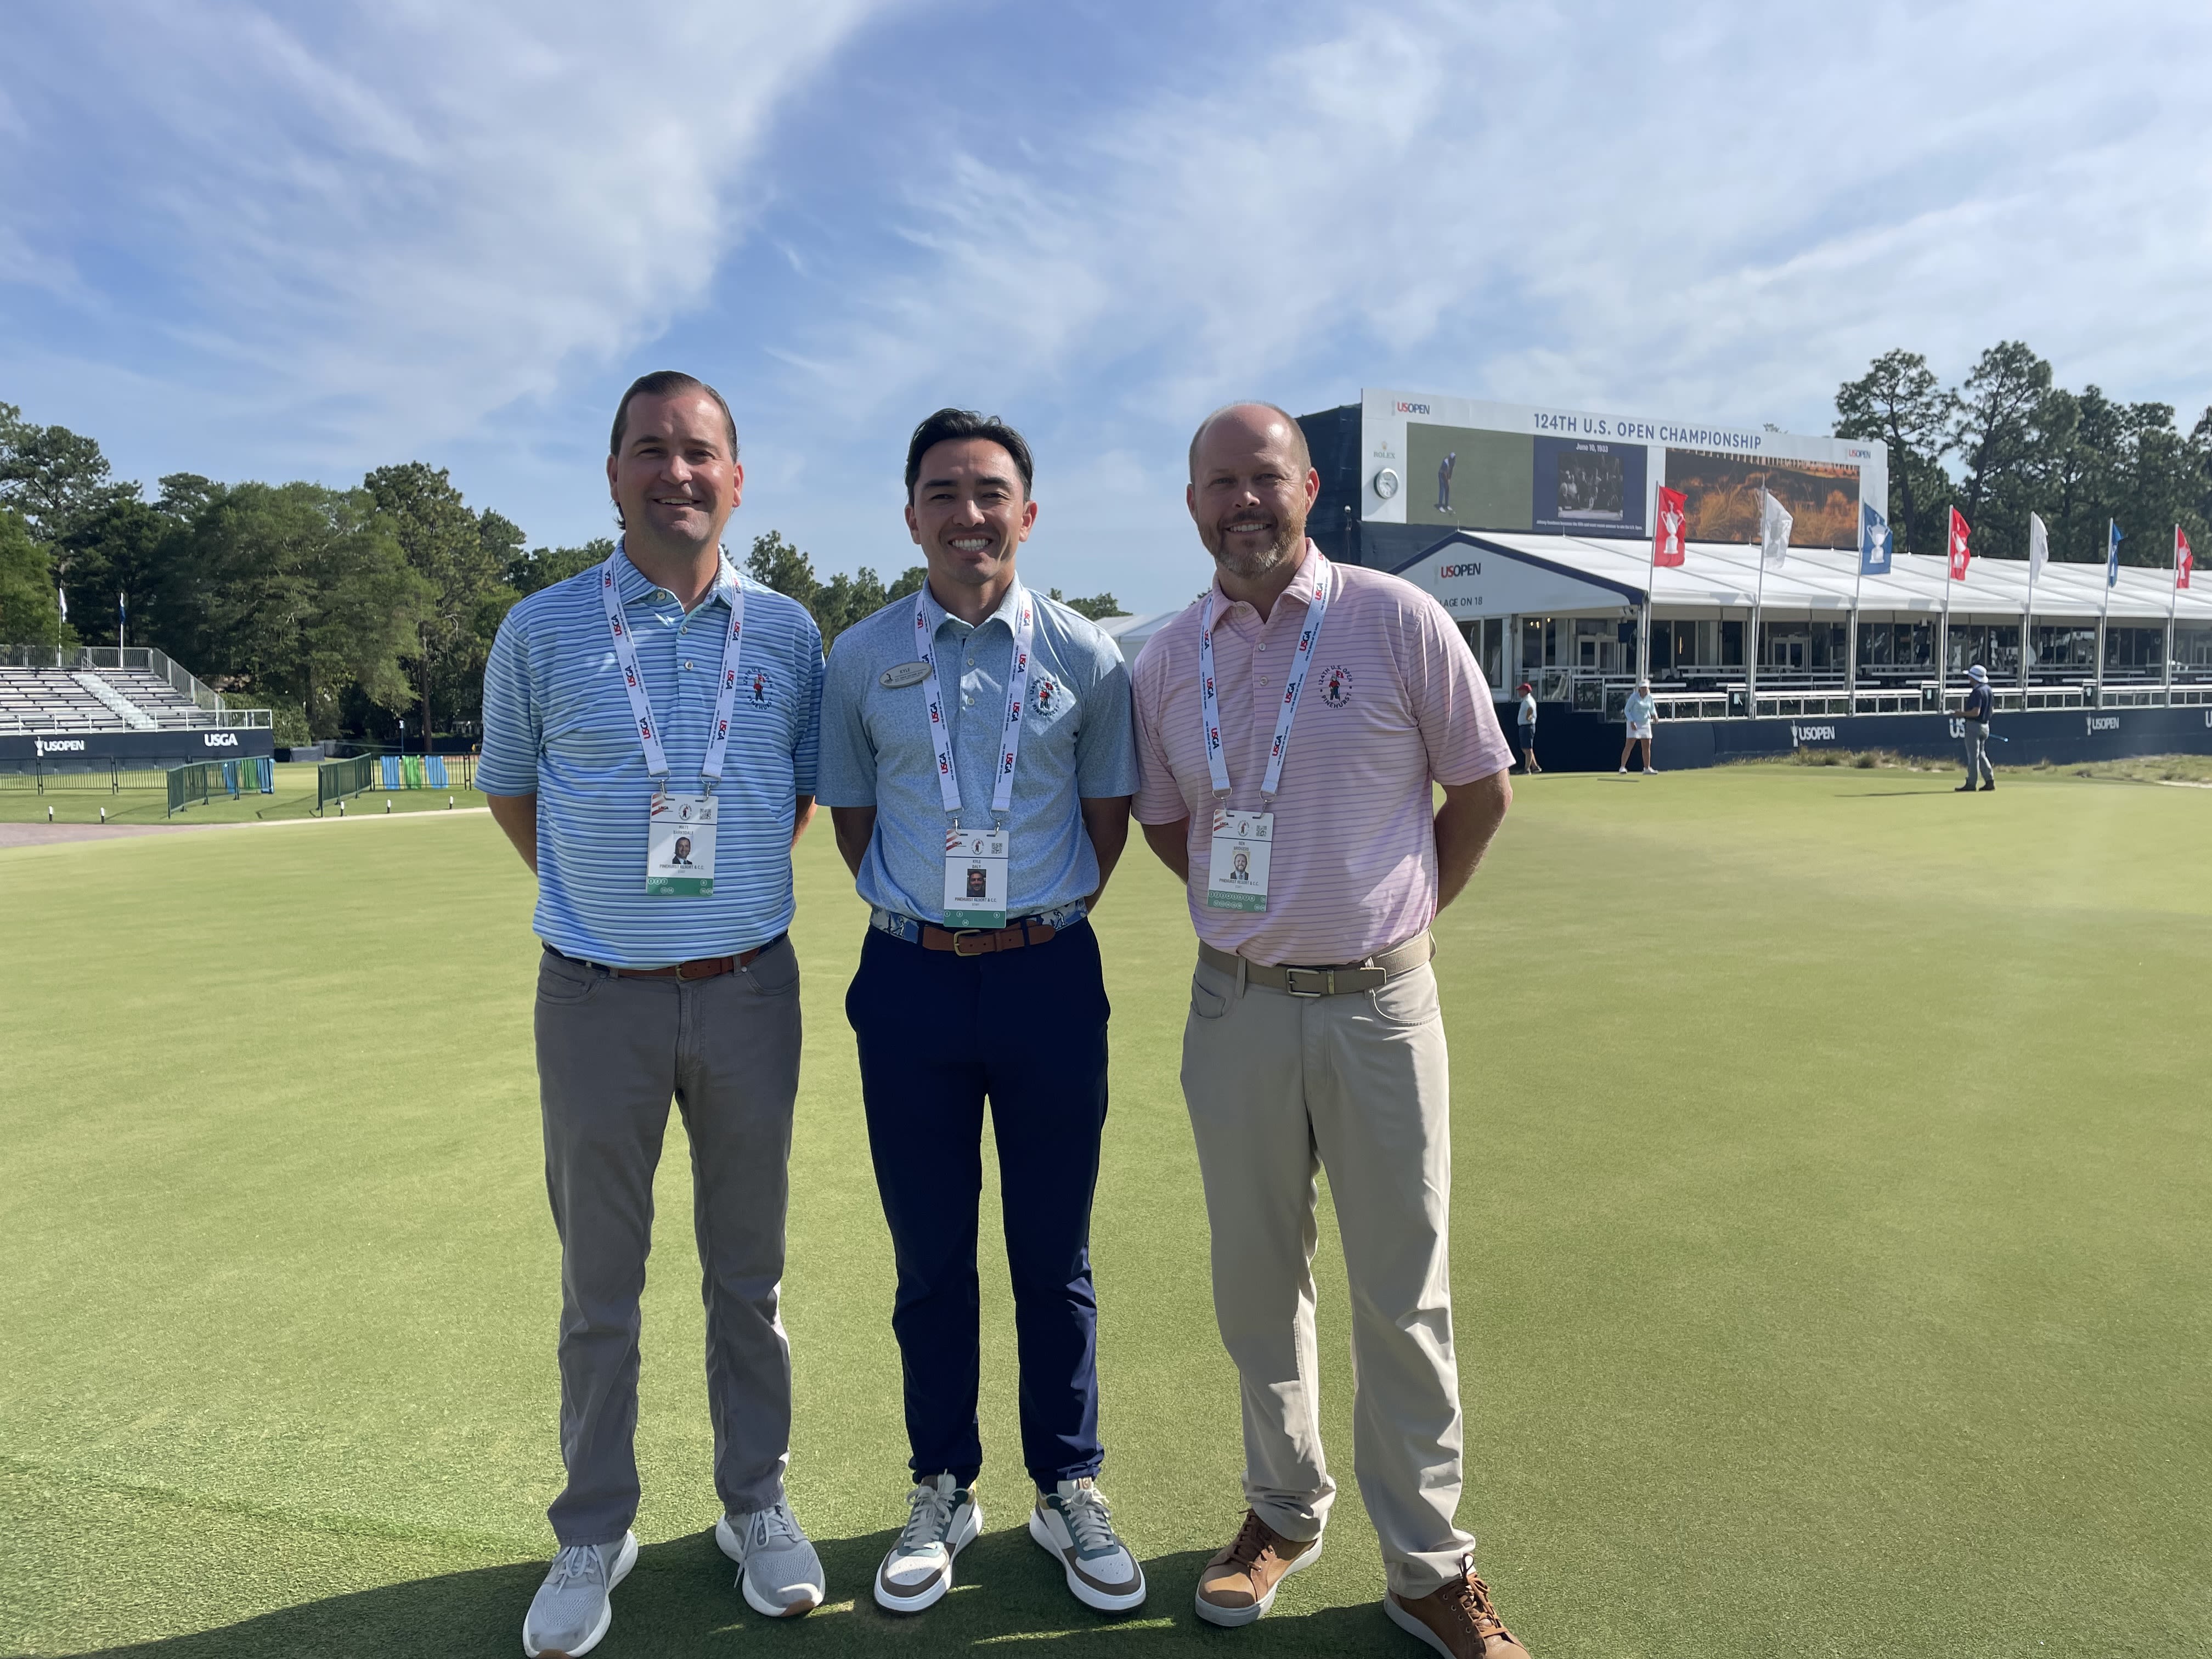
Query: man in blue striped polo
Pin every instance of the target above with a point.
(977, 760)
(650, 732)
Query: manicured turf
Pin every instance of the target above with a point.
(144, 798)
(1831, 1249)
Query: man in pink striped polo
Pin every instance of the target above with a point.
(1291, 726)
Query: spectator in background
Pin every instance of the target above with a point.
(1639, 712)
(1528, 723)
(1975, 728)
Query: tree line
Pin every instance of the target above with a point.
(2007, 440)
(344, 611)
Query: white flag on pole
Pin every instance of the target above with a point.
(61, 599)
(1773, 533)
(2038, 545)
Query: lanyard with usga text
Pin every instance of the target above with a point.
(726, 698)
(1294, 682)
(1010, 728)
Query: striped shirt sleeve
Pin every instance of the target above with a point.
(511, 717)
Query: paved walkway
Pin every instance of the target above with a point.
(45, 835)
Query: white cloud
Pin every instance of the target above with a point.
(375, 228)
(1674, 206)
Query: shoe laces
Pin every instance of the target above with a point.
(929, 1517)
(1252, 1540)
(772, 1525)
(1090, 1521)
(1473, 1598)
(578, 1565)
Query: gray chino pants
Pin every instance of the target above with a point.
(1979, 769)
(610, 1054)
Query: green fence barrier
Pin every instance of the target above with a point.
(188, 784)
(336, 780)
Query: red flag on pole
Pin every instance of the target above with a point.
(2184, 560)
(1959, 553)
(1673, 514)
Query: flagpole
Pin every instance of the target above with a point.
(1758, 599)
(1851, 643)
(2104, 614)
(2172, 605)
(2027, 623)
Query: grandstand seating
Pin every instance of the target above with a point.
(58, 700)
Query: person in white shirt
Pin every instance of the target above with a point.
(1640, 712)
(1527, 733)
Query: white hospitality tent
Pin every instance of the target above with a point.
(1561, 610)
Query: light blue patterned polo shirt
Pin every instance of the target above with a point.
(557, 724)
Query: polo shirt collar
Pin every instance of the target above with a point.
(1008, 610)
(1302, 586)
(632, 584)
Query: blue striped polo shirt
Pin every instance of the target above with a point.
(1077, 744)
(556, 724)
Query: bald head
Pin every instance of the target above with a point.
(1252, 483)
(1252, 420)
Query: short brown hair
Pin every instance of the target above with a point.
(662, 383)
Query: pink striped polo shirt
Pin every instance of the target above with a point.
(1394, 702)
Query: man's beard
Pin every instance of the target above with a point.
(1290, 540)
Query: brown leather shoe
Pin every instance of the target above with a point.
(1457, 1620)
(1238, 1585)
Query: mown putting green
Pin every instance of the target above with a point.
(1831, 1249)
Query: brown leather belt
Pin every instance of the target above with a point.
(1370, 974)
(983, 942)
(697, 968)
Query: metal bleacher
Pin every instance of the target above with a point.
(107, 689)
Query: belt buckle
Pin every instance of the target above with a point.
(969, 933)
(1326, 976)
(682, 978)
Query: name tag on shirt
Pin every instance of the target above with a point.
(1236, 878)
(679, 847)
(975, 877)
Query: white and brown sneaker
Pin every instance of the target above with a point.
(1457, 1620)
(1238, 1585)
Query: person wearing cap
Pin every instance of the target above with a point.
(1975, 728)
(977, 762)
(1639, 711)
(1527, 729)
(657, 809)
(1302, 713)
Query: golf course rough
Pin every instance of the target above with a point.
(1830, 1247)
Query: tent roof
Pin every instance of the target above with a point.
(1726, 574)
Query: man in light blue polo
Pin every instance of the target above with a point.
(977, 760)
(650, 728)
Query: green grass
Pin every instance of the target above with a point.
(144, 798)
(1829, 1250)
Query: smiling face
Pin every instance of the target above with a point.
(675, 480)
(969, 513)
(1251, 487)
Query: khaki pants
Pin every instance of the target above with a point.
(1280, 1086)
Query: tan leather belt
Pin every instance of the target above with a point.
(1370, 974)
(697, 968)
(983, 942)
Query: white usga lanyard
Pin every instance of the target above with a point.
(1010, 731)
(726, 700)
(1209, 703)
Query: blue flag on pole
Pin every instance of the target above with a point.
(1873, 542)
(2112, 558)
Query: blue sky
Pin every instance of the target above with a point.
(278, 241)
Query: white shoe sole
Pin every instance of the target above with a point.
(960, 1539)
(1412, 1627)
(623, 1563)
(726, 1541)
(1231, 1618)
(1089, 1594)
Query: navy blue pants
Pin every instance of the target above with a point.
(939, 1034)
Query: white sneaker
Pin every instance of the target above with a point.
(571, 1611)
(1623, 771)
(1650, 771)
(1072, 1523)
(942, 1520)
(777, 1567)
